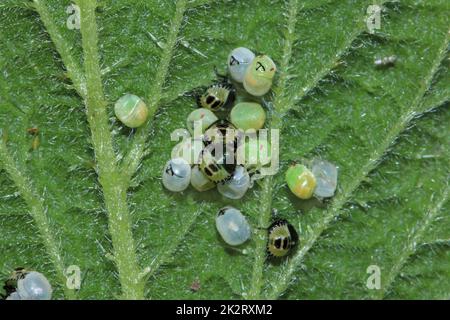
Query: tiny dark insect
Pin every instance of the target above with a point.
(385, 62)
(33, 131)
(195, 286)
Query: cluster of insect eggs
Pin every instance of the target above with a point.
(255, 74)
(213, 167)
(27, 285)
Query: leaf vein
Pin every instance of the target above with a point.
(135, 154)
(37, 212)
(280, 286)
(74, 71)
(114, 193)
(413, 242)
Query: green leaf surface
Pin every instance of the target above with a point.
(91, 195)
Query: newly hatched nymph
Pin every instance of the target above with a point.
(232, 226)
(282, 238)
(217, 162)
(259, 76)
(238, 62)
(221, 131)
(217, 96)
(200, 181)
(131, 111)
(176, 175)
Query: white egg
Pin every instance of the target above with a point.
(176, 175)
(14, 296)
(326, 178)
(238, 62)
(232, 226)
(34, 286)
(237, 186)
(200, 181)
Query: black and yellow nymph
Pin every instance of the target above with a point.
(216, 97)
(282, 238)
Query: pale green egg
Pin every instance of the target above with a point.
(301, 181)
(201, 118)
(248, 115)
(131, 111)
(259, 76)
